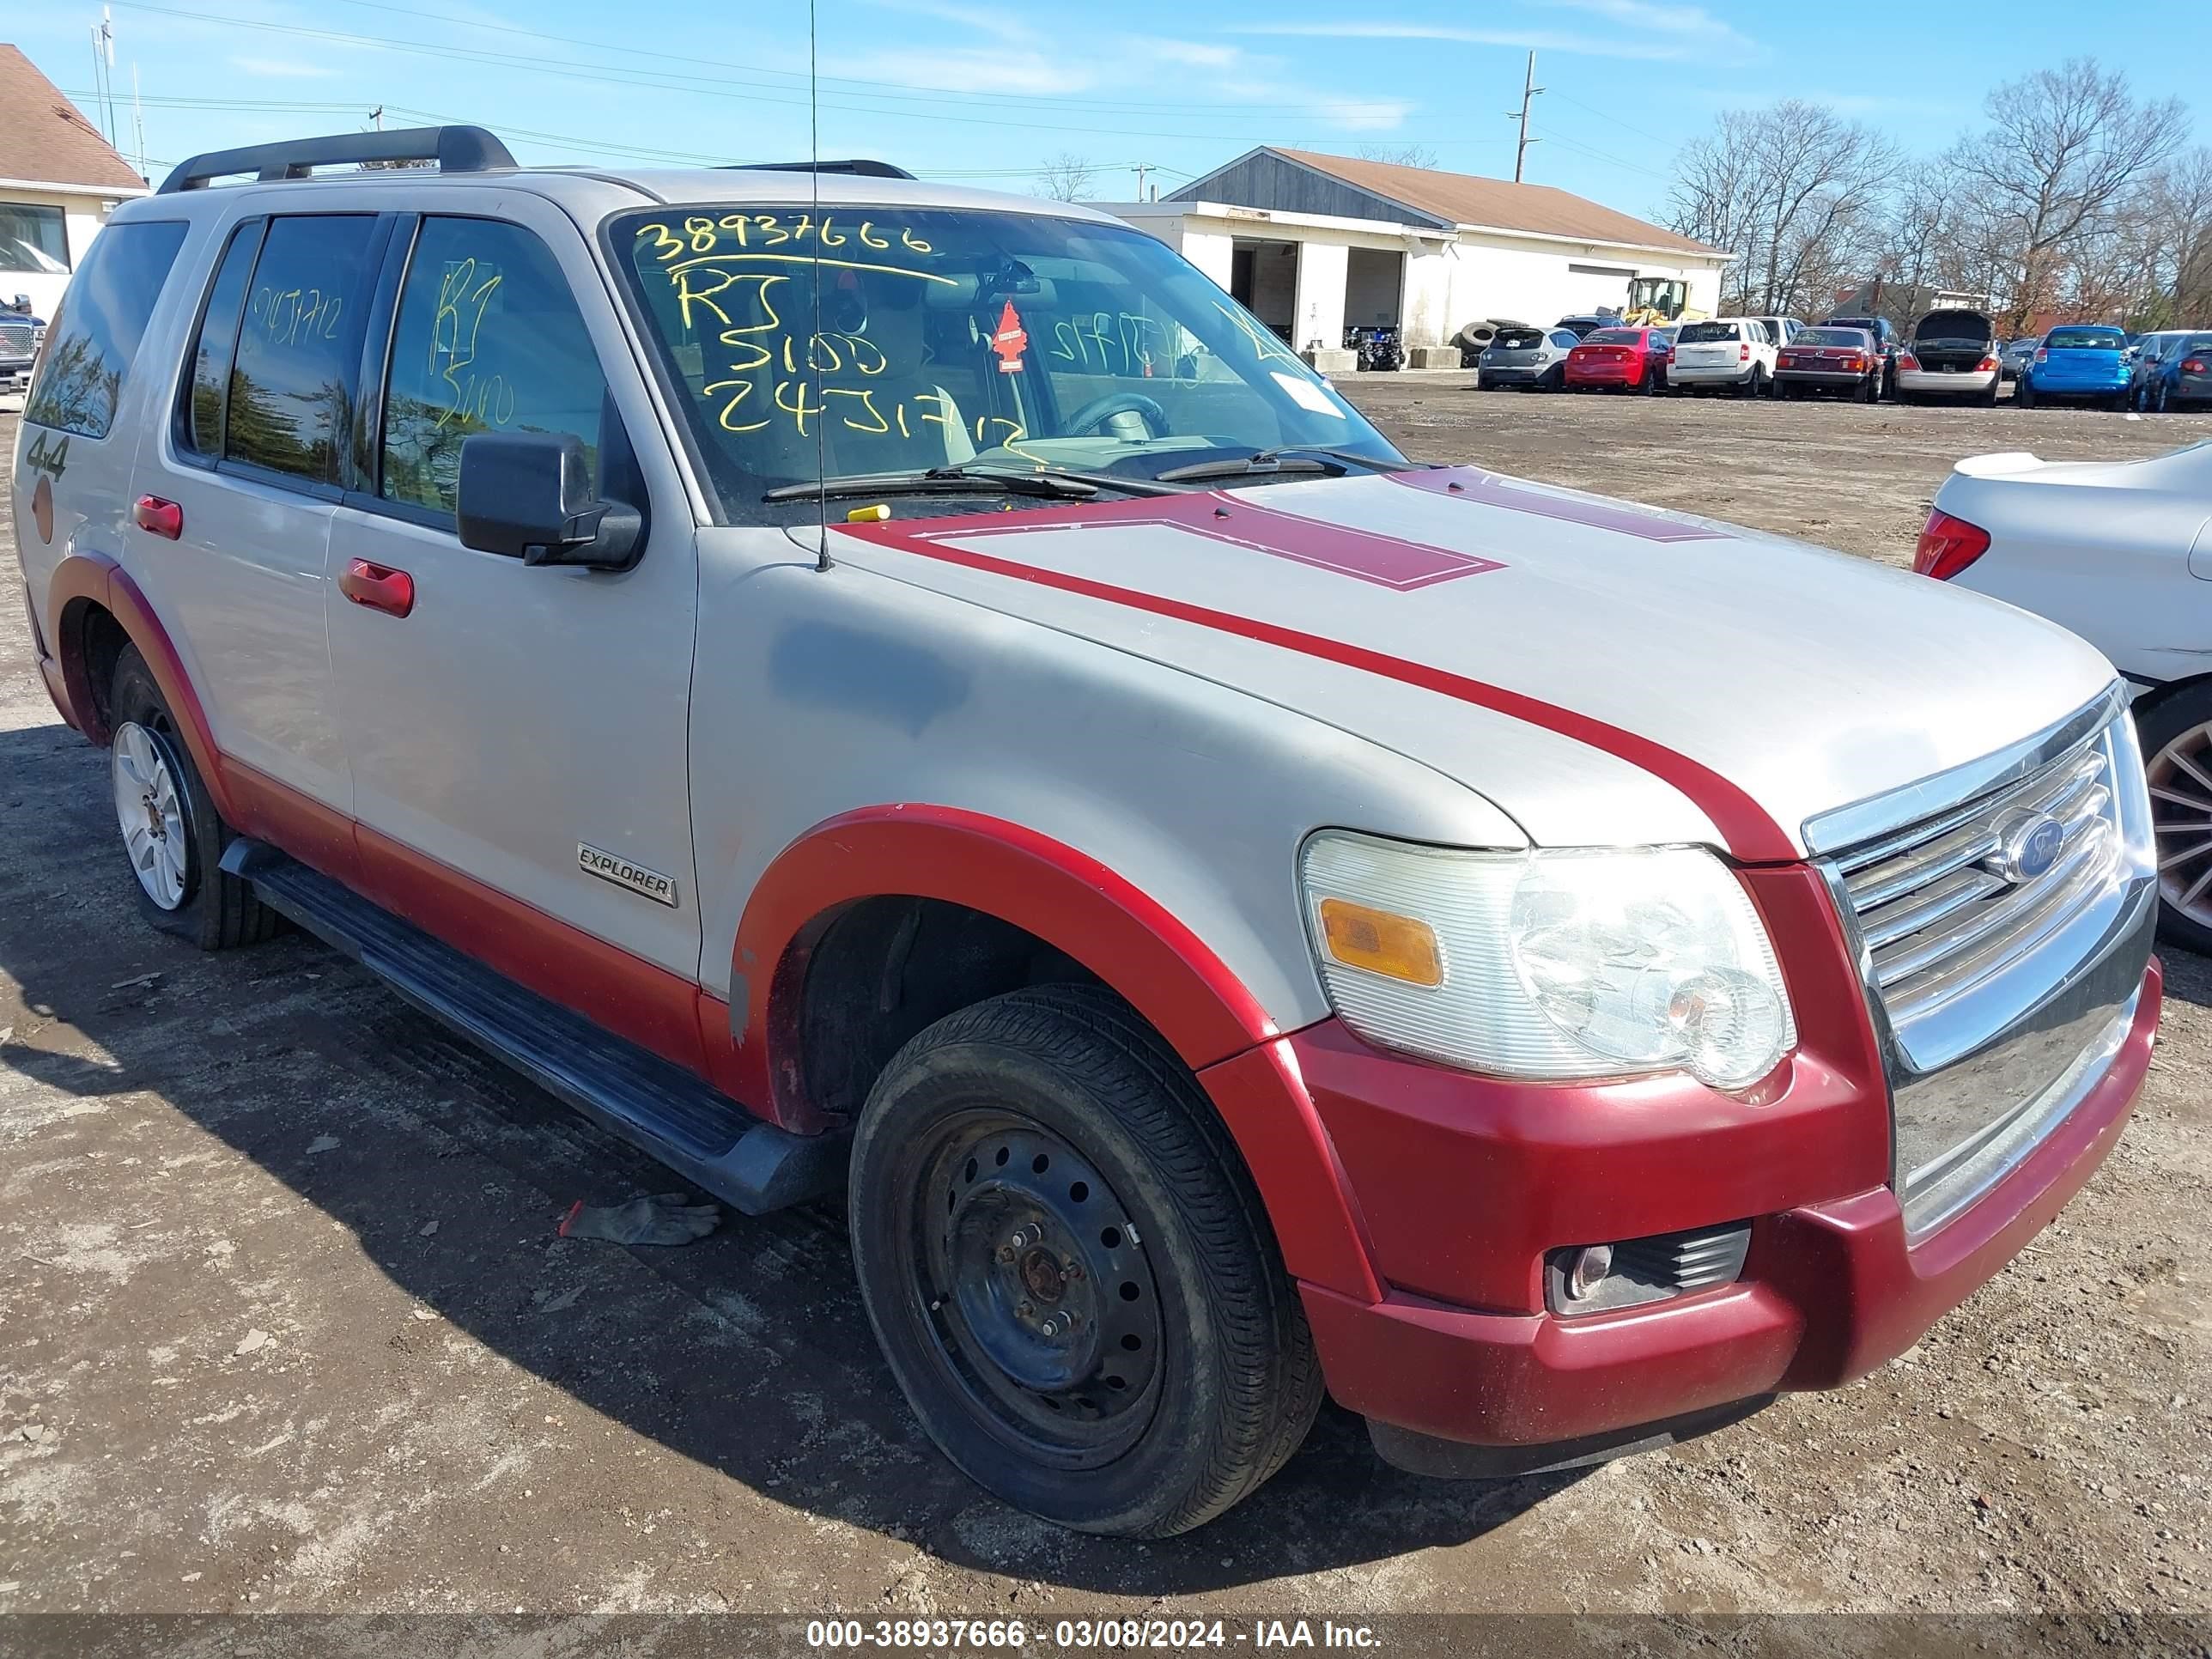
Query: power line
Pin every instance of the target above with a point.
(776, 81)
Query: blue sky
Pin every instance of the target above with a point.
(983, 91)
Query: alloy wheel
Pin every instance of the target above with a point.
(2181, 814)
(149, 812)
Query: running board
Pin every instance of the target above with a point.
(654, 1104)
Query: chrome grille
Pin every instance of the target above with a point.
(2003, 913)
(16, 338)
(1941, 909)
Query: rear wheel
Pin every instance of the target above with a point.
(171, 834)
(1070, 1272)
(1989, 398)
(1869, 390)
(2177, 744)
(2024, 393)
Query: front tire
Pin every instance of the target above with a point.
(1069, 1269)
(172, 835)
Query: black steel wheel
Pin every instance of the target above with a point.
(1070, 1272)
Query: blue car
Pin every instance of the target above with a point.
(2079, 360)
(2181, 376)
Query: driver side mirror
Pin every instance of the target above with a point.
(527, 496)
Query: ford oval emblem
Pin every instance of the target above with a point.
(2029, 848)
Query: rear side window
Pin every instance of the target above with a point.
(293, 385)
(1705, 333)
(489, 339)
(200, 429)
(103, 316)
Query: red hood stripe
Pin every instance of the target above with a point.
(1750, 833)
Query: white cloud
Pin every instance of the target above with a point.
(1645, 30)
(284, 69)
(991, 70)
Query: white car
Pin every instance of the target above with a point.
(1730, 351)
(2121, 553)
(1953, 355)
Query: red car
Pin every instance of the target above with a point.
(1631, 359)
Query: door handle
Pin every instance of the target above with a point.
(378, 587)
(162, 518)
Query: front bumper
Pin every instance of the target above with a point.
(1463, 1185)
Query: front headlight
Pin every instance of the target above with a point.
(1547, 965)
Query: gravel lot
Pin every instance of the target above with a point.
(288, 1328)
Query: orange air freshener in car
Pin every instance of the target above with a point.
(1011, 340)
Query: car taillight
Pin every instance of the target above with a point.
(1986, 364)
(2041, 355)
(1857, 365)
(1743, 354)
(1948, 545)
(2192, 365)
(1908, 361)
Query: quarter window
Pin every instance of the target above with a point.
(96, 336)
(293, 385)
(489, 339)
(200, 430)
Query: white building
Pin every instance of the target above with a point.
(60, 179)
(1316, 243)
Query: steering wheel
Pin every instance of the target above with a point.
(1100, 410)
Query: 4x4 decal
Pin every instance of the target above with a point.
(47, 456)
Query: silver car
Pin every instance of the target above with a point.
(1531, 359)
(885, 693)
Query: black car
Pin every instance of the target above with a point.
(1884, 341)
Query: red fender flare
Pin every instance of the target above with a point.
(83, 579)
(1077, 904)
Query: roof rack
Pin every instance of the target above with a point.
(857, 165)
(455, 149)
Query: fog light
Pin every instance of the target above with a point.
(1587, 1270)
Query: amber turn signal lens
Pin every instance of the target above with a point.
(1397, 947)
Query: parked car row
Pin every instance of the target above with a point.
(1951, 355)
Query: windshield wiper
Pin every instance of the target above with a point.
(1286, 457)
(1057, 484)
(938, 480)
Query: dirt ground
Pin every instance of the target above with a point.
(287, 1326)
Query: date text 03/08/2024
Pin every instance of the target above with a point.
(932, 1634)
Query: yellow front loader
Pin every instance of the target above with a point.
(1655, 300)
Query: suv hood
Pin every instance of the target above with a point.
(1604, 673)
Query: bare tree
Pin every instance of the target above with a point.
(1795, 190)
(1067, 177)
(2062, 161)
(1401, 155)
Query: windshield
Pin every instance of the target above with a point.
(2083, 339)
(1614, 337)
(945, 338)
(1705, 333)
(1519, 339)
(1833, 336)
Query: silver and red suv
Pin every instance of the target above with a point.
(863, 686)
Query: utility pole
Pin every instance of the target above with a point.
(376, 116)
(1141, 169)
(1528, 91)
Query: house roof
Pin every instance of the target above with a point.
(1462, 198)
(43, 138)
